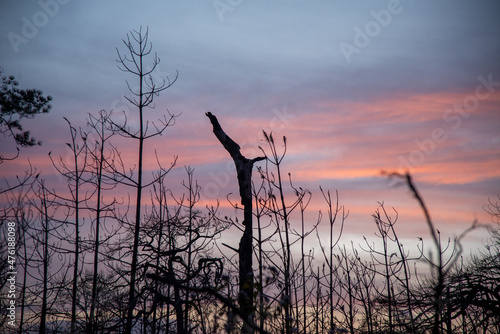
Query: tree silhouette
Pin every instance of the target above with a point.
(138, 48)
(244, 168)
(17, 104)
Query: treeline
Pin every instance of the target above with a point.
(118, 250)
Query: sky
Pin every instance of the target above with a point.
(356, 88)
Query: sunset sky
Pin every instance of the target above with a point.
(356, 87)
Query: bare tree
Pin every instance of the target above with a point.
(45, 290)
(336, 215)
(281, 212)
(73, 171)
(138, 47)
(179, 239)
(442, 266)
(102, 155)
(244, 168)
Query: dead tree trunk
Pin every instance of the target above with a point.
(245, 251)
